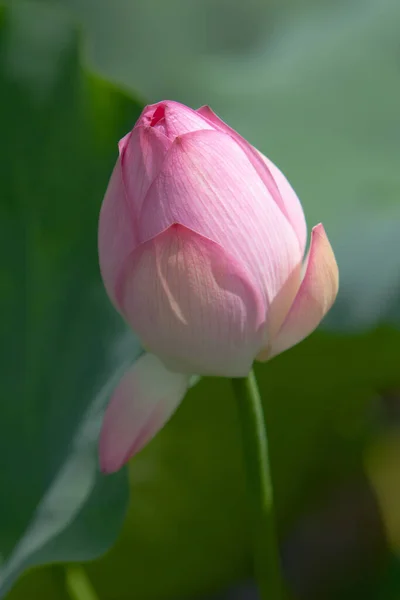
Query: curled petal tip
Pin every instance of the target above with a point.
(315, 297)
(319, 229)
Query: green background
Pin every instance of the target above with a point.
(316, 87)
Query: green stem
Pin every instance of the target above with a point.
(267, 565)
(78, 584)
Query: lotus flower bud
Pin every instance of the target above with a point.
(201, 245)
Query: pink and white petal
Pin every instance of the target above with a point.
(280, 305)
(315, 297)
(142, 403)
(252, 154)
(181, 119)
(193, 305)
(293, 206)
(208, 184)
(272, 177)
(123, 142)
(142, 154)
(116, 238)
(206, 112)
(172, 119)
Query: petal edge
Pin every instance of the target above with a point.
(194, 305)
(315, 297)
(274, 180)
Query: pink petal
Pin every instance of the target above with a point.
(315, 297)
(193, 305)
(172, 119)
(293, 207)
(117, 237)
(144, 400)
(208, 184)
(142, 155)
(123, 142)
(273, 178)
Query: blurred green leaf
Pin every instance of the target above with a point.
(62, 343)
(389, 586)
(45, 583)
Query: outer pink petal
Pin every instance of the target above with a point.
(273, 178)
(144, 400)
(208, 184)
(193, 305)
(315, 297)
(172, 119)
(292, 204)
(142, 154)
(117, 237)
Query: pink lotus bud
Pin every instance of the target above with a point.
(201, 244)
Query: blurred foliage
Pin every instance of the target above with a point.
(61, 341)
(315, 86)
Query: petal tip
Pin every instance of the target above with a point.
(319, 229)
(108, 461)
(143, 401)
(319, 232)
(108, 469)
(315, 297)
(326, 259)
